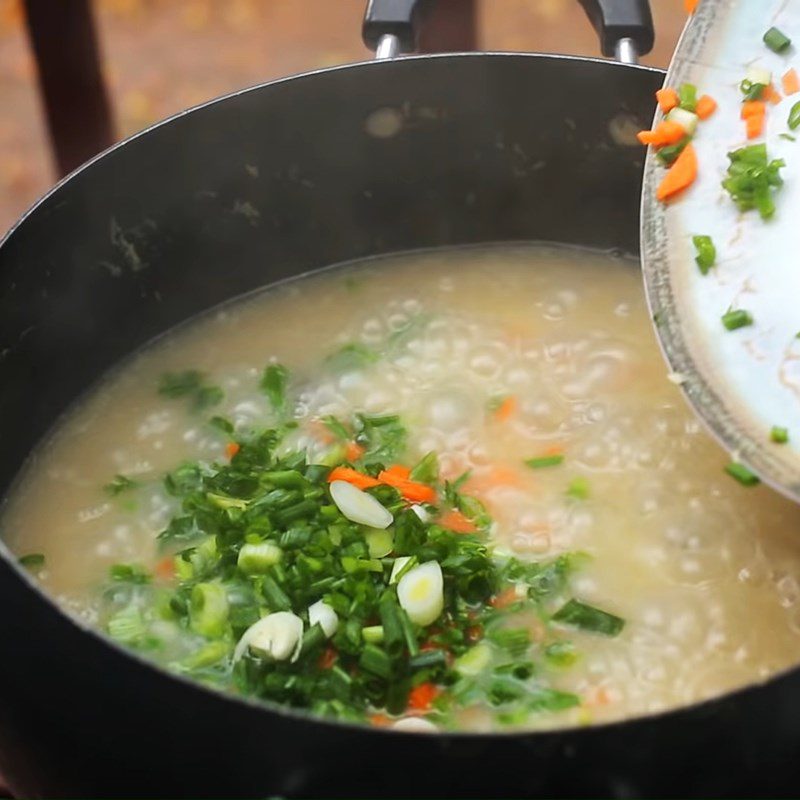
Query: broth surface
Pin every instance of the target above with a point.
(703, 570)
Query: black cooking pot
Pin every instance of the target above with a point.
(267, 184)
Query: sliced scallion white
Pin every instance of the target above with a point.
(321, 613)
(415, 725)
(358, 506)
(397, 568)
(474, 661)
(379, 542)
(757, 74)
(686, 119)
(277, 636)
(421, 593)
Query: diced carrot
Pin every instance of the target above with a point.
(498, 475)
(755, 126)
(597, 696)
(321, 431)
(410, 490)
(474, 633)
(753, 108)
(790, 81)
(690, 6)
(706, 106)
(380, 720)
(399, 470)
(667, 99)
(421, 697)
(506, 409)
(328, 658)
(354, 451)
(681, 174)
(455, 521)
(232, 448)
(353, 476)
(505, 598)
(666, 132)
(165, 568)
(771, 94)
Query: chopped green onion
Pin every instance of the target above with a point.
(379, 542)
(794, 117)
(191, 385)
(208, 609)
(373, 634)
(578, 488)
(668, 154)
(129, 573)
(779, 435)
(127, 626)
(588, 618)
(209, 654)
(428, 660)
(777, 41)
(32, 560)
(561, 654)
(706, 253)
(120, 484)
(751, 90)
(257, 558)
(273, 384)
(545, 461)
(427, 470)
(737, 318)
(752, 179)
(787, 136)
(515, 640)
(687, 96)
(742, 474)
(375, 660)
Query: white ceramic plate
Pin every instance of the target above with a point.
(741, 382)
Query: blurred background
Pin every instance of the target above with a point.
(159, 56)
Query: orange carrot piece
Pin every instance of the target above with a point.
(165, 568)
(681, 174)
(399, 470)
(753, 108)
(354, 451)
(410, 490)
(421, 697)
(455, 521)
(667, 99)
(505, 598)
(664, 133)
(353, 476)
(771, 94)
(380, 720)
(506, 409)
(790, 82)
(706, 106)
(755, 126)
(690, 6)
(232, 448)
(328, 658)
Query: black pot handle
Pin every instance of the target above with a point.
(625, 27)
(391, 25)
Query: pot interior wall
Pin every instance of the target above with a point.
(298, 175)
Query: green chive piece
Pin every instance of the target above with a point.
(794, 117)
(373, 634)
(788, 136)
(255, 559)
(208, 610)
(578, 489)
(706, 253)
(752, 179)
(687, 96)
(273, 384)
(742, 474)
(668, 154)
(545, 461)
(737, 318)
(751, 91)
(32, 560)
(777, 40)
(120, 484)
(779, 435)
(588, 618)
